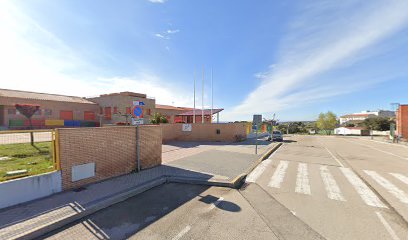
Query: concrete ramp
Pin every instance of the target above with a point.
(277, 217)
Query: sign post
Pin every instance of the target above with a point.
(256, 122)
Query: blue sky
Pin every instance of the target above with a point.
(295, 59)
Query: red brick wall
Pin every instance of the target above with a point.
(204, 132)
(112, 149)
(402, 121)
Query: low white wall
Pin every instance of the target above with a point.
(29, 188)
(381, 133)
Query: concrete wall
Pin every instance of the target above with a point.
(29, 188)
(107, 152)
(204, 132)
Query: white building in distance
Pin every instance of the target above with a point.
(361, 116)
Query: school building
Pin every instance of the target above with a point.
(55, 110)
(107, 109)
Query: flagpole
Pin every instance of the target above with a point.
(194, 115)
(202, 99)
(212, 95)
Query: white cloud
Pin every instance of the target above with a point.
(324, 38)
(157, 1)
(33, 59)
(173, 31)
(161, 36)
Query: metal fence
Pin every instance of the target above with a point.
(27, 152)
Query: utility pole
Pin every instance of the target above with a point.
(202, 100)
(194, 116)
(212, 95)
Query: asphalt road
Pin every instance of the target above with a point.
(185, 211)
(342, 187)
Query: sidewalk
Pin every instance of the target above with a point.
(33, 219)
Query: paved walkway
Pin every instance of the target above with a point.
(10, 138)
(18, 220)
(224, 160)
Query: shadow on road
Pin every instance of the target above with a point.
(221, 204)
(126, 218)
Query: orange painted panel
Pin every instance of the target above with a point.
(89, 115)
(66, 115)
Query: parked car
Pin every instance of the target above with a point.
(276, 136)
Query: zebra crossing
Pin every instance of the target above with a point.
(333, 190)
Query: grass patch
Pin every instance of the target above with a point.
(24, 156)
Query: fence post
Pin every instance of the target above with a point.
(138, 148)
(57, 150)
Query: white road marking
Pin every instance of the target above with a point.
(377, 141)
(332, 189)
(334, 157)
(400, 177)
(214, 204)
(279, 174)
(387, 226)
(254, 175)
(182, 233)
(391, 188)
(302, 180)
(390, 153)
(362, 189)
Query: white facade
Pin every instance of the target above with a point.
(361, 116)
(347, 131)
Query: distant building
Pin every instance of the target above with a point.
(187, 117)
(171, 112)
(117, 107)
(356, 118)
(55, 110)
(70, 111)
(402, 121)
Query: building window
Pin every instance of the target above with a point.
(47, 112)
(66, 115)
(128, 110)
(148, 111)
(115, 110)
(89, 115)
(100, 110)
(11, 111)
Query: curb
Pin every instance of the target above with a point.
(238, 181)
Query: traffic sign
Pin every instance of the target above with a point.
(137, 111)
(138, 103)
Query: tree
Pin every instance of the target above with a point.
(377, 123)
(157, 118)
(28, 111)
(327, 122)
